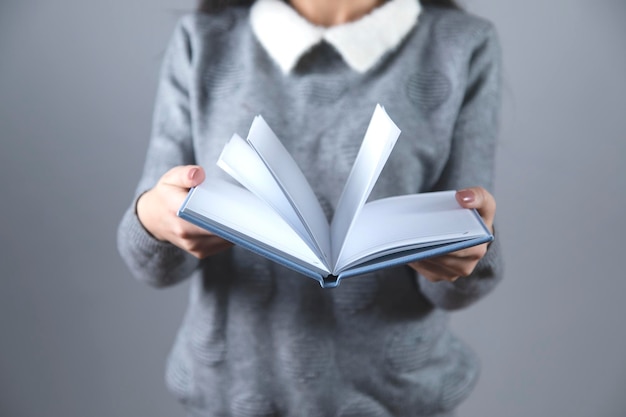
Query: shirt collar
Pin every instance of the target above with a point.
(287, 36)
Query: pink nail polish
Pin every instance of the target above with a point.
(192, 173)
(467, 196)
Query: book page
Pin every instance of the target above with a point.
(292, 182)
(238, 211)
(242, 163)
(379, 140)
(409, 221)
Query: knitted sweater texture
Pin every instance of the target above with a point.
(261, 340)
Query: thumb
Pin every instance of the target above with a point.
(480, 199)
(184, 176)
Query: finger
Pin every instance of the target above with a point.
(434, 272)
(184, 230)
(474, 253)
(184, 176)
(205, 246)
(212, 247)
(480, 199)
(455, 266)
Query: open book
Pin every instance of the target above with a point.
(277, 215)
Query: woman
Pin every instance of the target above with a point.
(258, 339)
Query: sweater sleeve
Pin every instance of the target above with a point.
(156, 262)
(471, 163)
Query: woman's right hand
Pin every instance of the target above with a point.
(157, 211)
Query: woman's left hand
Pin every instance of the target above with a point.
(458, 264)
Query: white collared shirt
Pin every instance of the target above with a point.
(287, 36)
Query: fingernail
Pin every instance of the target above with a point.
(467, 196)
(192, 173)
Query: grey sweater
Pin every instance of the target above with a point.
(261, 340)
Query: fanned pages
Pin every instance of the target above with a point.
(276, 214)
(292, 181)
(242, 163)
(379, 140)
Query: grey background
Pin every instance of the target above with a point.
(79, 337)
